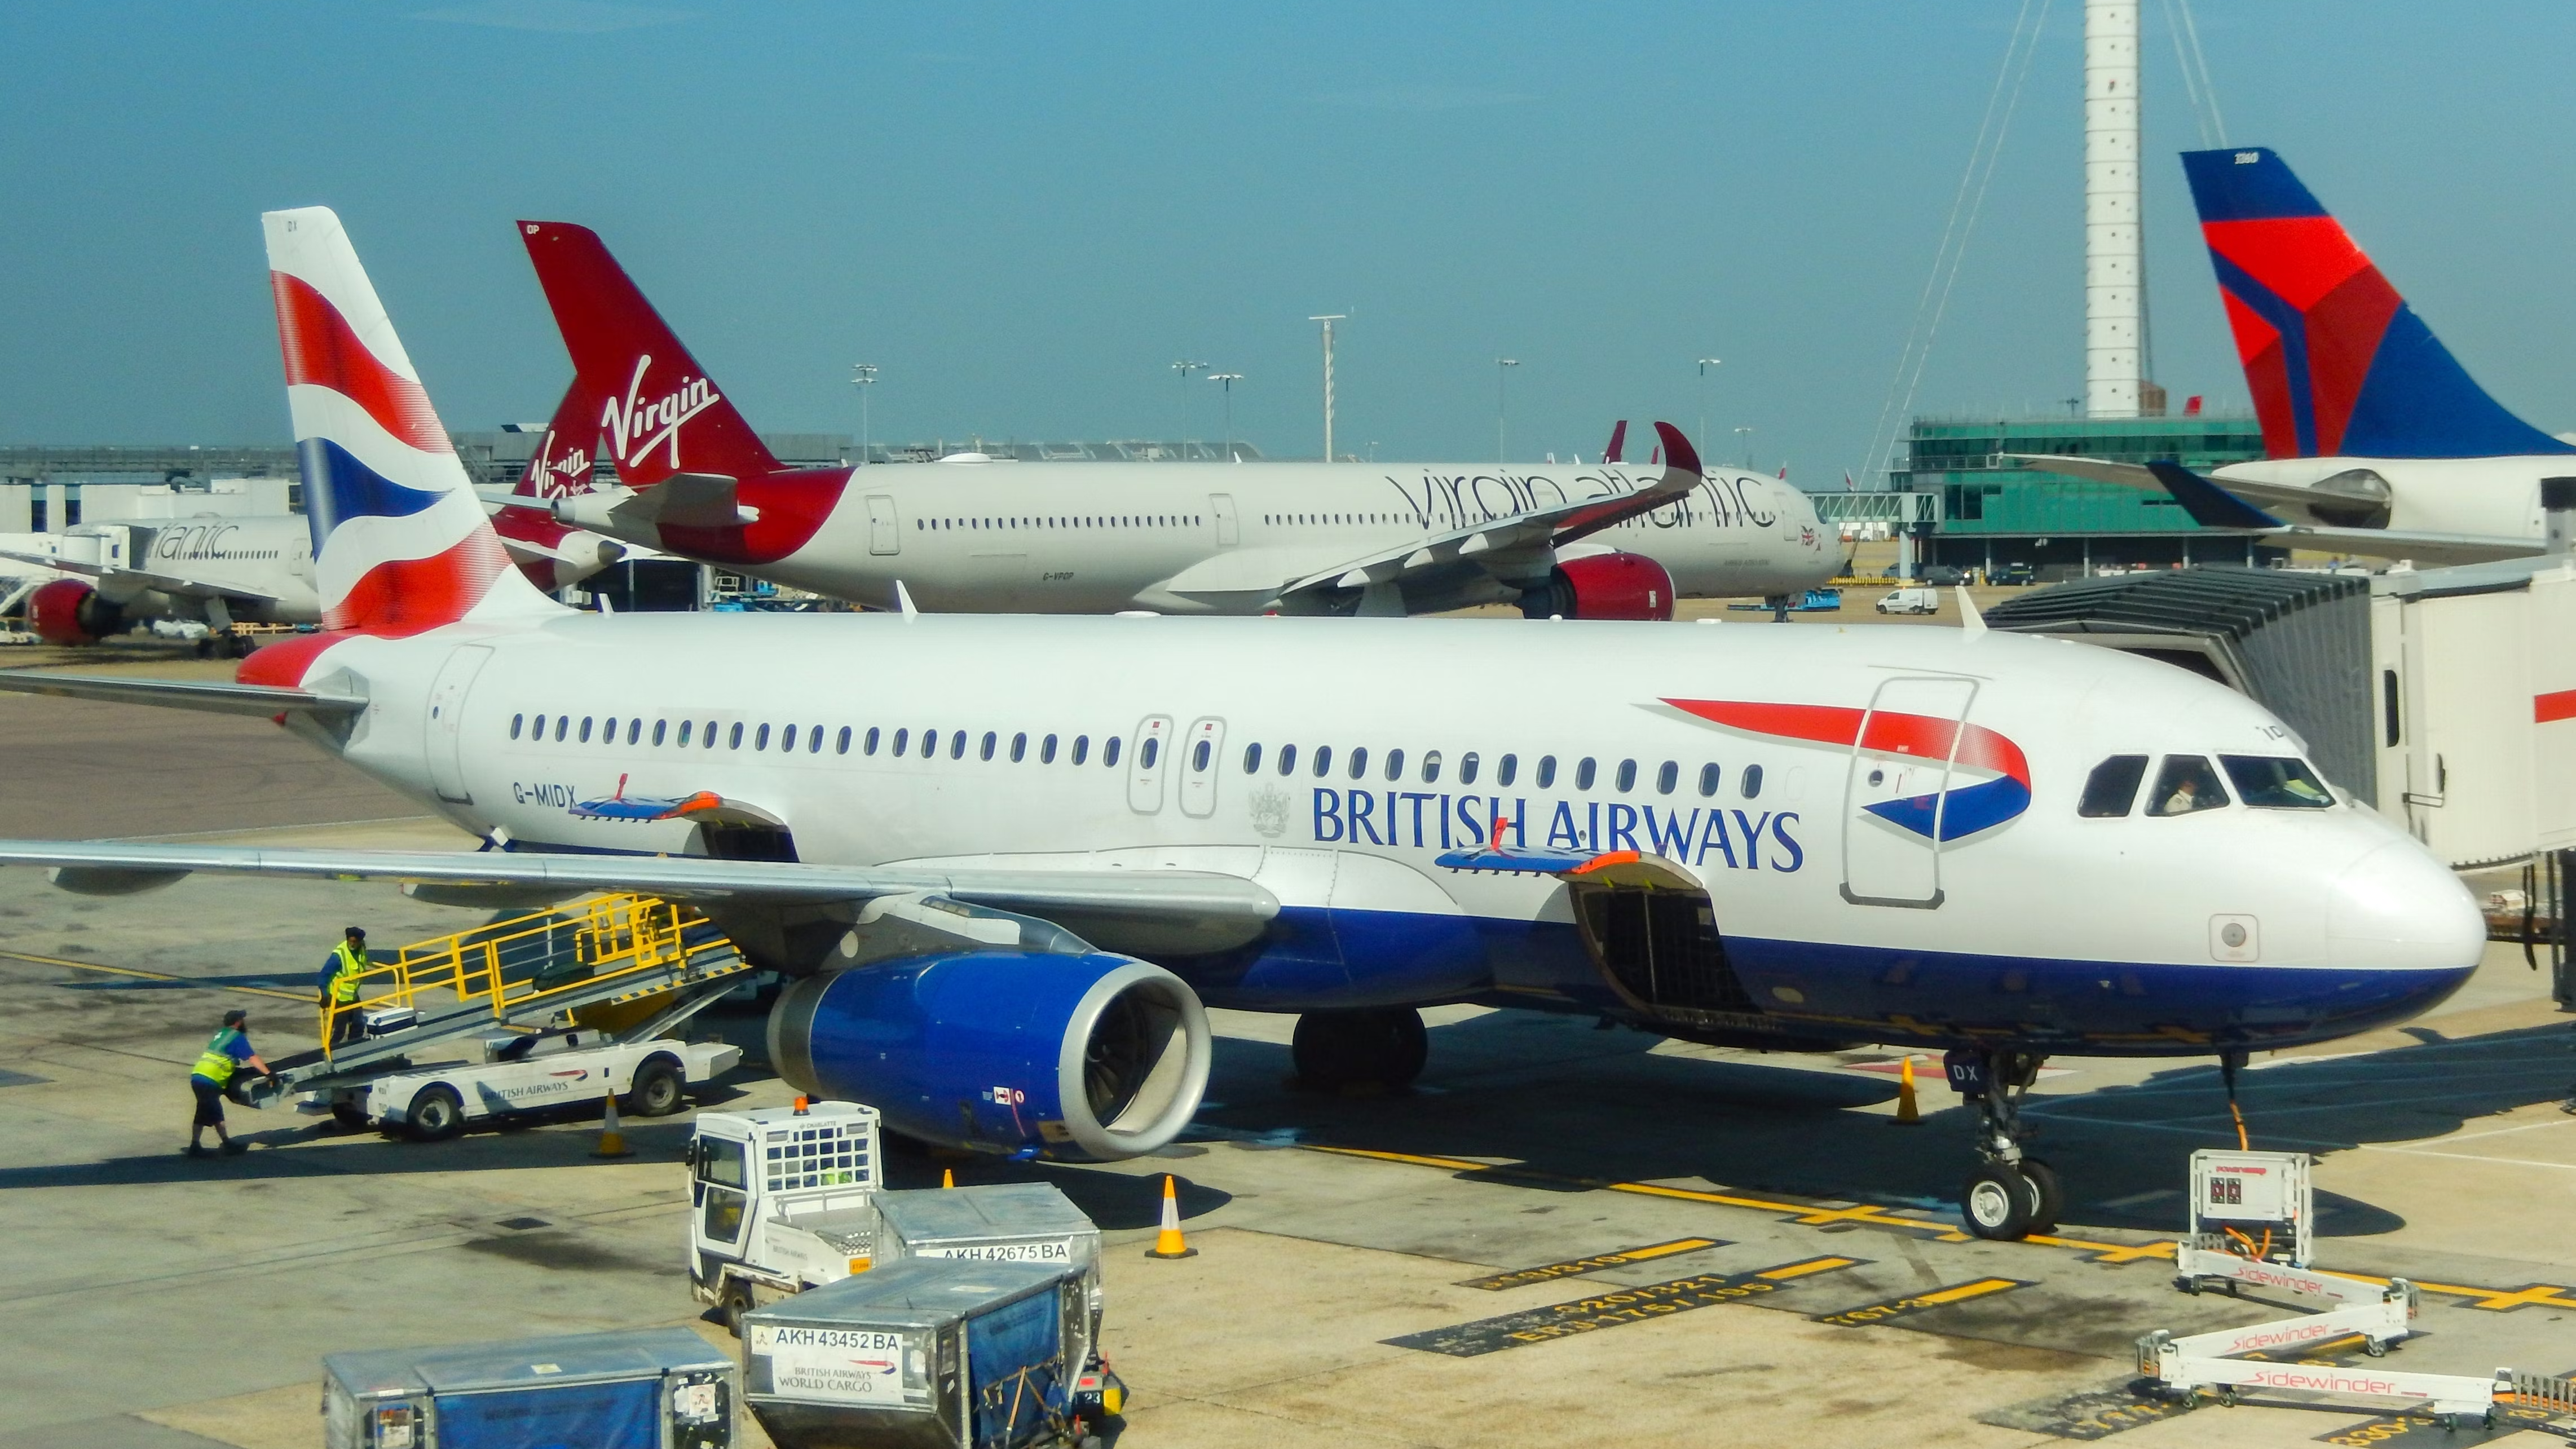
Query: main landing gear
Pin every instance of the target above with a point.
(1378, 1048)
(2010, 1195)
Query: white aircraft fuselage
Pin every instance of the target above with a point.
(1339, 762)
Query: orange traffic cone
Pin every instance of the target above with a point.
(1167, 1243)
(947, 1177)
(1907, 1114)
(612, 1138)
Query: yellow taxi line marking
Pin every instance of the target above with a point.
(1872, 1313)
(152, 975)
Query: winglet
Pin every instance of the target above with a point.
(903, 597)
(2209, 505)
(1970, 621)
(1618, 439)
(1679, 455)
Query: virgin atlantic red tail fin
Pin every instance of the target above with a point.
(659, 412)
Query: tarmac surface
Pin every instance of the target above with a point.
(1560, 1234)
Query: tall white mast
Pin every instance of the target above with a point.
(2112, 295)
(1328, 320)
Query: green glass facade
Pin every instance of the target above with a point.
(1995, 512)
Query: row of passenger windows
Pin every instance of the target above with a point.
(1623, 776)
(810, 739)
(2186, 785)
(1085, 520)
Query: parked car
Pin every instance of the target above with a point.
(2014, 573)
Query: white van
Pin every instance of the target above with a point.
(1911, 600)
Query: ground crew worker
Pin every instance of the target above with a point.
(227, 1052)
(340, 972)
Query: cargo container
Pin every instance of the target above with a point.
(929, 1353)
(653, 1388)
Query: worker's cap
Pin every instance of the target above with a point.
(236, 1017)
(355, 933)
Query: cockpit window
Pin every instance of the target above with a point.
(2185, 784)
(2112, 787)
(2269, 783)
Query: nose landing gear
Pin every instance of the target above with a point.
(2011, 1195)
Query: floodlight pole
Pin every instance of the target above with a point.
(1705, 364)
(1185, 369)
(1227, 380)
(863, 375)
(1502, 370)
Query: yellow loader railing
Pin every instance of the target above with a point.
(508, 967)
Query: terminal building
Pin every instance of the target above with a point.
(1993, 512)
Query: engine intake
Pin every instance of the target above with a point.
(1603, 586)
(1003, 1051)
(67, 611)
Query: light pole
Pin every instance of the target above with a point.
(1328, 320)
(1502, 370)
(863, 375)
(1185, 369)
(1705, 364)
(1227, 380)
(1747, 435)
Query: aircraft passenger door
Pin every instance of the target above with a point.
(1229, 530)
(1202, 752)
(885, 532)
(1895, 793)
(447, 719)
(1146, 757)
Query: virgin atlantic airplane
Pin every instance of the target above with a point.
(1609, 541)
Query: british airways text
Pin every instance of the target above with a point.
(1741, 839)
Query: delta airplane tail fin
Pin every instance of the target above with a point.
(2338, 364)
(400, 542)
(658, 411)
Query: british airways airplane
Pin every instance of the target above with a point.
(2377, 441)
(1608, 541)
(1007, 859)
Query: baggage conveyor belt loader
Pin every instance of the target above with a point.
(560, 1007)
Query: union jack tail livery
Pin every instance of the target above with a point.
(400, 544)
(658, 411)
(2338, 364)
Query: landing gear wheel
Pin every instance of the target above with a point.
(1373, 1047)
(436, 1115)
(656, 1091)
(1996, 1203)
(2048, 1199)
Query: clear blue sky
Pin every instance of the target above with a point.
(1025, 213)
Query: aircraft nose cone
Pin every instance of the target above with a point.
(2400, 907)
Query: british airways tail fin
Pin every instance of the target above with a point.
(400, 543)
(2338, 364)
(659, 413)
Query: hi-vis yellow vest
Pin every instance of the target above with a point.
(344, 987)
(215, 1064)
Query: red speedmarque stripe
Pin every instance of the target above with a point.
(321, 350)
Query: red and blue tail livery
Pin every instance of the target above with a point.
(2338, 364)
(400, 543)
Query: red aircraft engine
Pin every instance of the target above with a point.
(68, 611)
(1603, 586)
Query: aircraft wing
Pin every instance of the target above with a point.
(2143, 475)
(1211, 905)
(1525, 534)
(252, 699)
(170, 584)
(2215, 506)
